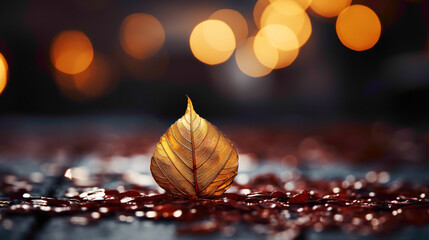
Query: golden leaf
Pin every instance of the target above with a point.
(193, 158)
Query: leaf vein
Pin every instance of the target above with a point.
(217, 174)
(175, 138)
(211, 154)
(169, 158)
(160, 169)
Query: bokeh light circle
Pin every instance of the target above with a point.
(258, 10)
(303, 3)
(71, 52)
(141, 35)
(286, 58)
(247, 61)
(99, 79)
(280, 36)
(358, 27)
(264, 51)
(329, 8)
(4, 71)
(235, 21)
(290, 14)
(261, 5)
(285, 41)
(212, 42)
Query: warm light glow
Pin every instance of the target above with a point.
(290, 14)
(286, 58)
(265, 52)
(235, 21)
(285, 42)
(258, 10)
(71, 52)
(304, 3)
(141, 35)
(97, 80)
(280, 37)
(212, 42)
(329, 8)
(358, 27)
(261, 5)
(4, 71)
(247, 61)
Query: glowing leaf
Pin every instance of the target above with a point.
(193, 158)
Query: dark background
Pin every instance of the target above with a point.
(389, 82)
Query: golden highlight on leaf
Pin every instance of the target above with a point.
(193, 158)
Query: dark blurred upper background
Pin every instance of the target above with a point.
(143, 57)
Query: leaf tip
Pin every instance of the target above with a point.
(190, 106)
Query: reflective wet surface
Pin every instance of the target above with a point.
(312, 188)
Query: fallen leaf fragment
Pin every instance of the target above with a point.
(300, 198)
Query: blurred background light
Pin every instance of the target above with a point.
(212, 42)
(280, 37)
(329, 8)
(358, 27)
(304, 3)
(286, 58)
(4, 70)
(258, 10)
(147, 69)
(141, 35)
(265, 52)
(248, 62)
(285, 41)
(318, 79)
(97, 80)
(290, 14)
(234, 85)
(261, 5)
(235, 21)
(71, 52)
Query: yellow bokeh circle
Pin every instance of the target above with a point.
(247, 61)
(212, 42)
(290, 14)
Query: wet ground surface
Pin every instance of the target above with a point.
(75, 179)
